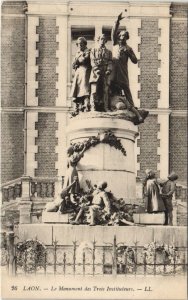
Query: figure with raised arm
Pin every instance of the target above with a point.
(121, 54)
(71, 173)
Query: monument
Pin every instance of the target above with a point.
(102, 130)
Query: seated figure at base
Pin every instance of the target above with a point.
(100, 205)
(55, 205)
(100, 202)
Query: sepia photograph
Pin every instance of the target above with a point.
(94, 149)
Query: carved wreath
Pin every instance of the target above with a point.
(106, 137)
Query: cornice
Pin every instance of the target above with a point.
(179, 113)
(35, 108)
(164, 111)
(99, 8)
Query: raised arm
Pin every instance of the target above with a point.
(114, 34)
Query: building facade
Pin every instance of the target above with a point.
(38, 45)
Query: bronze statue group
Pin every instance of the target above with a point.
(101, 81)
(158, 194)
(97, 206)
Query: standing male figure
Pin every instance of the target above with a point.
(80, 87)
(121, 53)
(168, 189)
(101, 62)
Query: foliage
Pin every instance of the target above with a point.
(126, 256)
(161, 255)
(30, 255)
(106, 137)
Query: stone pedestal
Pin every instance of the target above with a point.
(148, 219)
(25, 212)
(25, 201)
(65, 234)
(104, 162)
(54, 217)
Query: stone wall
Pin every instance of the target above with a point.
(12, 89)
(178, 64)
(13, 55)
(148, 144)
(149, 63)
(12, 145)
(47, 61)
(178, 90)
(46, 142)
(178, 146)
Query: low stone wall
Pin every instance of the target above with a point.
(65, 234)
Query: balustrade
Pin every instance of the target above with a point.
(38, 187)
(43, 187)
(12, 190)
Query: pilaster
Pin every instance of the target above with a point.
(60, 164)
(163, 56)
(134, 70)
(32, 149)
(137, 154)
(32, 54)
(163, 101)
(62, 56)
(163, 149)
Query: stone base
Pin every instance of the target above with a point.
(66, 234)
(54, 217)
(154, 219)
(124, 114)
(104, 161)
